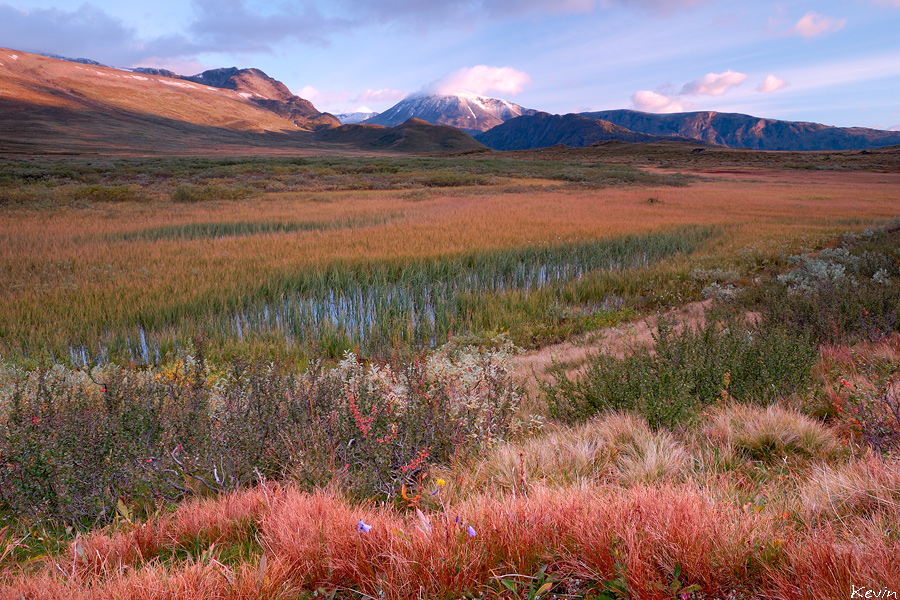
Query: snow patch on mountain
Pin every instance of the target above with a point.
(465, 110)
(355, 117)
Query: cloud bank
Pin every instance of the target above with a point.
(654, 102)
(467, 11)
(480, 79)
(714, 84)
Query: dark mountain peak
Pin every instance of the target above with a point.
(157, 72)
(542, 129)
(84, 61)
(738, 130)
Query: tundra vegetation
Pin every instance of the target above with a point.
(296, 377)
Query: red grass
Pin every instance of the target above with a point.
(594, 534)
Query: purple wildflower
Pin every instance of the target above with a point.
(471, 531)
(363, 527)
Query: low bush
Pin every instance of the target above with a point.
(72, 443)
(687, 370)
(843, 294)
(189, 192)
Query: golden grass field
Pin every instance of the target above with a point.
(71, 269)
(777, 495)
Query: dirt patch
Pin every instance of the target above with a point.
(533, 368)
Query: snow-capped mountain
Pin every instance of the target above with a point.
(355, 117)
(467, 111)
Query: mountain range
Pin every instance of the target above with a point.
(49, 104)
(743, 131)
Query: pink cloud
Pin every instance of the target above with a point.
(714, 84)
(383, 95)
(648, 101)
(771, 84)
(318, 97)
(481, 79)
(815, 25)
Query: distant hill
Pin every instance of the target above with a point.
(470, 112)
(743, 131)
(414, 135)
(543, 129)
(262, 90)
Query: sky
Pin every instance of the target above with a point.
(835, 62)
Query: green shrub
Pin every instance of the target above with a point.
(111, 193)
(189, 192)
(687, 370)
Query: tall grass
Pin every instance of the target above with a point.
(377, 305)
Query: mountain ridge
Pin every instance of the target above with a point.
(51, 106)
(262, 90)
(737, 130)
(544, 129)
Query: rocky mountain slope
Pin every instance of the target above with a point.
(543, 129)
(743, 131)
(470, 112)
(262, 90)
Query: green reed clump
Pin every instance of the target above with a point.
(73, 444)
(687, 370)
(195, 231)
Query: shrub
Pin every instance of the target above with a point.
(687, 370)
(111, 193)
(189, 192)
(842, 294)
(74, 443)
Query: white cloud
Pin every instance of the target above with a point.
(648, 101)
(771, 84)
(714, 84)
(383, 95)
(814, 25)
(481, 79)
